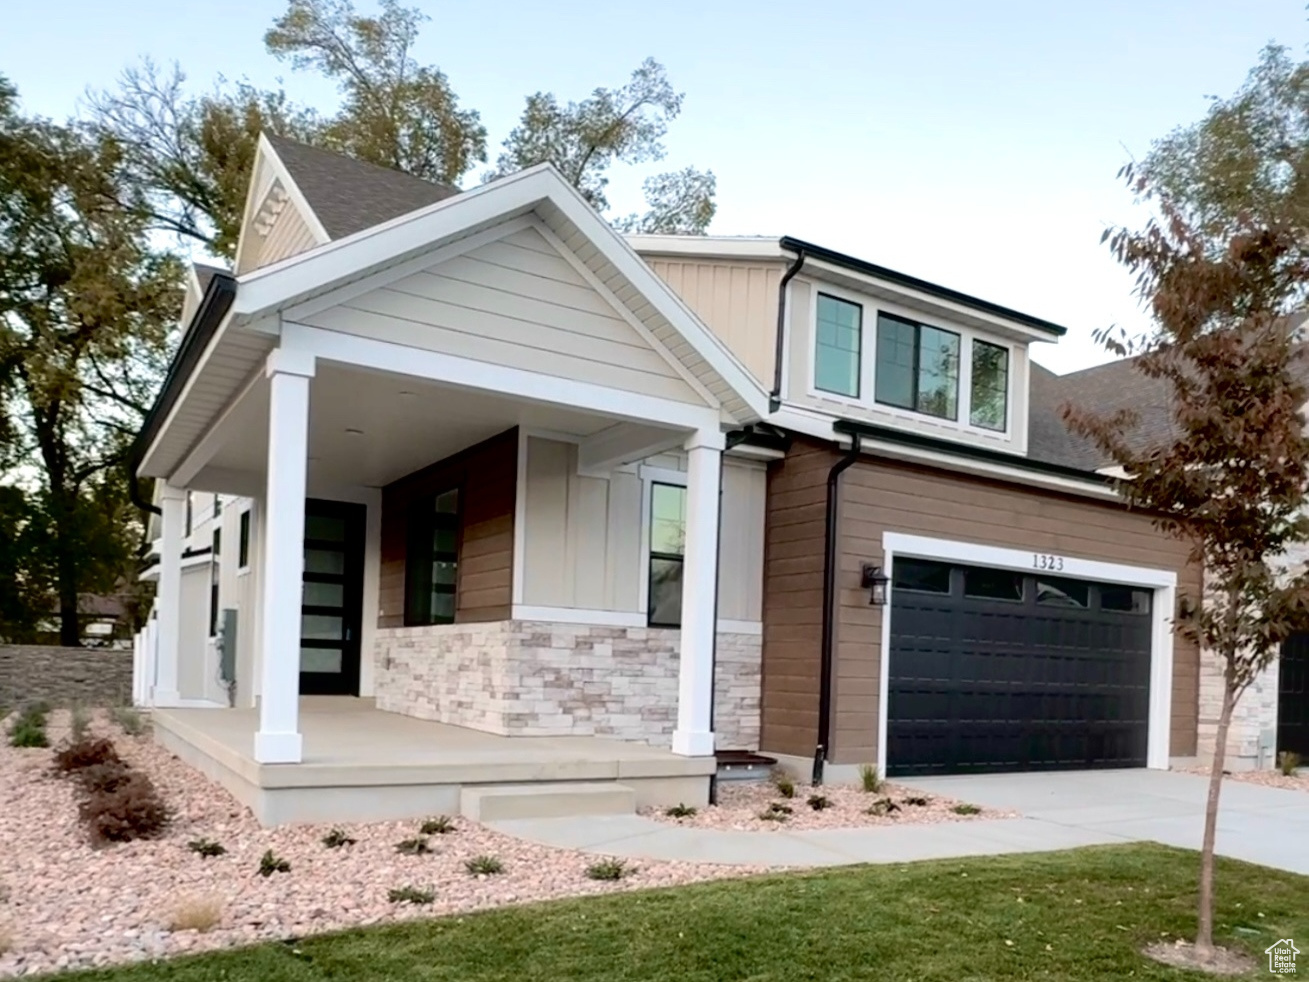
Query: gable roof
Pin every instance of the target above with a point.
(348, 195)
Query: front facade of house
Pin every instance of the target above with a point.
(476, 457)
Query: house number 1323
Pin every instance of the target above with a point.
(1041, 560)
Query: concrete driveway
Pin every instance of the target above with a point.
(1262, 825)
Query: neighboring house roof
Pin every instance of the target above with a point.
(348, 195)
(204, 273)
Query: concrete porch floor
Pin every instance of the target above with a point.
(363, 764)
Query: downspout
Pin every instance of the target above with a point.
(775, 397)
(824, 740)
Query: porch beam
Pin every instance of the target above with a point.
(163, 686)
(622, 443)
(694, 735)
(400, 359)
(278, 740)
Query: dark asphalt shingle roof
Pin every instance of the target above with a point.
(348, 195)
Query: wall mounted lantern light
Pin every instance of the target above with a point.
(874, 581)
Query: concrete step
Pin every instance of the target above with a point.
(549, 799)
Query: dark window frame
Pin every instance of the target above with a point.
(216, 553)
(243, 540)
(972, 386)
(858, 351)
(654, 557)
(918, 327)
(421, 524)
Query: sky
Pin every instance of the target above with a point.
(973, 144)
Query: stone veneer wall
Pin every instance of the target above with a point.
(64, 676)
(534, 678)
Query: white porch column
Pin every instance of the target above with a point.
(168, 599)
(695, 683)
(278, 740)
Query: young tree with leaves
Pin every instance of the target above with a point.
(1233, 479)
(86, 306)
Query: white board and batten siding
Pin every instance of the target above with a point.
(584, 538)
(515, 301)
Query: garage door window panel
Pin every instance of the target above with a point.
(993, 584)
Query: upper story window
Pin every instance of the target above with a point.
(917, 367)
(837, 346)
(988, 402)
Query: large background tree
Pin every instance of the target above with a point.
(86, 305)
(191, 154)
(1224, 270)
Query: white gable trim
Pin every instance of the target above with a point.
(298, 279)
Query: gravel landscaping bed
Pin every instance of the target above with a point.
(741, 806)
(65, 904)
(1269, 779)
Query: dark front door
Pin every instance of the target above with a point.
(993, 670)
(332, 600)
(1293, 696)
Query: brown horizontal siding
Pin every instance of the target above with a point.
(486, 475)
(793, 592)
(879, 496)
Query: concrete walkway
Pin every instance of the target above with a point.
(1060, 811)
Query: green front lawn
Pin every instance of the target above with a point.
(1082, 914)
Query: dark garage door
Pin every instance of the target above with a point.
(1293, 696)
(993, 670)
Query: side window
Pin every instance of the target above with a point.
(988, 406)
(432, 559)
(837, 343)
(667, 546)
(243, 541)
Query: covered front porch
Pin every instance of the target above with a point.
(362, 764)
(445, 438)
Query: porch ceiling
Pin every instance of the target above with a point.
(371, 428)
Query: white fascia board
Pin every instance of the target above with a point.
(817, 268)
(709, 246)
(787, 418)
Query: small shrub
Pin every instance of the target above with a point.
(132, 810)
(484, 866)
(79, 723)
(206, 847)
(25, 733)
(609, 869)
(413, 847)
(86, 753)
(1287, 762)
(869, 778)
(964, 808)
(196, 914)
(768, 815)
(410, 895)
(128, 719)
(818, 802)
(441, 825)
(102, 777)
(883, 806)
(779, 808)
(917, 800)
(269, 863)
(337, 838)
(784, 785)
(679, 811)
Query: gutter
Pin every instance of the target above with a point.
(214, 306)
(824, 738)
(775, 397)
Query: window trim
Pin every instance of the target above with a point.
(918, 326)
(973, 342)
(859, 382)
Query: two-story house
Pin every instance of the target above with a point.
(523, 500)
